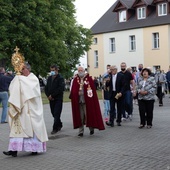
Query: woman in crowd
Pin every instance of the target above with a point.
(146, 97)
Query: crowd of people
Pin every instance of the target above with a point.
(119, 90)
(140, 87)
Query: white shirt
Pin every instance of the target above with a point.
(143, 85)
(114, 81)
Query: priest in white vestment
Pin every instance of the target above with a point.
(27, 128)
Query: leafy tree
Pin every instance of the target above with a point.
(45, 31)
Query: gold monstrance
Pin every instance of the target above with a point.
(17, 61)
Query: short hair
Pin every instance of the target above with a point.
(1, 69)
(27, 65)
(54, 66)
(81, 67)
(113, 67)
(123, 63)
(146, 69)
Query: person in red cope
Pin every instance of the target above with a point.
(85, 104)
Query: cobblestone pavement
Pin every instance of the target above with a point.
(117, 148)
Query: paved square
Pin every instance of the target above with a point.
(117, 148)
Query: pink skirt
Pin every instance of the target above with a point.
(26, 144)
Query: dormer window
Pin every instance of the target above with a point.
(141, 13)
(122, 16)
(162, 9)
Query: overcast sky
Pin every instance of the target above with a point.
(89, 11)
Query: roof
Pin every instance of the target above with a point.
(109, 21)
(127, 3)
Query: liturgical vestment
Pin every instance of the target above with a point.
(26, 109)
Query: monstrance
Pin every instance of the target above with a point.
(17, 61)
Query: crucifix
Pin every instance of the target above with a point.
(16, 49)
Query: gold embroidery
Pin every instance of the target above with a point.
(17, 125)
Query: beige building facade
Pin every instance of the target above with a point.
(135, 32)
(95, 56)
(157, 56)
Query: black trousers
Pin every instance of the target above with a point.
(169, 87)
(56, 109)
(113, 103)
(160, 94)
(146, 111)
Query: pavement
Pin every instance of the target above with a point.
(117, 148)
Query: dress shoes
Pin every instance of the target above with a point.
(141, 126)
(10, 153)
(54, 132)
(118, 124)
(80, 135)
(4, 122)
(34, 153)
(149, 127)
(92, 132)
(110, 124)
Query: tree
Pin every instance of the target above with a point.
(45, 31)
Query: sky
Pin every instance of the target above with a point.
(88, 12)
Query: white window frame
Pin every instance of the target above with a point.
(156, 44)
(122, 16)
(141, 13)
(95, 40)
(112, 45)
(96, 59)
(132, 43)
(161, 9)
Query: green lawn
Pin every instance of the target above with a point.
(66, 96)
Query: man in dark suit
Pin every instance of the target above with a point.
(54, 91)
(116, 90)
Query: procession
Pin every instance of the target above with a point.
(85, 85)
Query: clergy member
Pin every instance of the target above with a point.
(85, 104)
(27, 127)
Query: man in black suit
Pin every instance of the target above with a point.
(116, 90)
(54, 91)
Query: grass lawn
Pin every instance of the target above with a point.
(66, 96)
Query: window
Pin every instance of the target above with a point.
(156, 67)
(141, 13)
(155, 40)
(162, 9)
(133, 68)
(95, 40)
(122, 16)
(112, 45)
(96, 64)
(132, 43)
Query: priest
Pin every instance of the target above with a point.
(85, 104)
(27, 127)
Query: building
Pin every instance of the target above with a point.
(131, 31)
